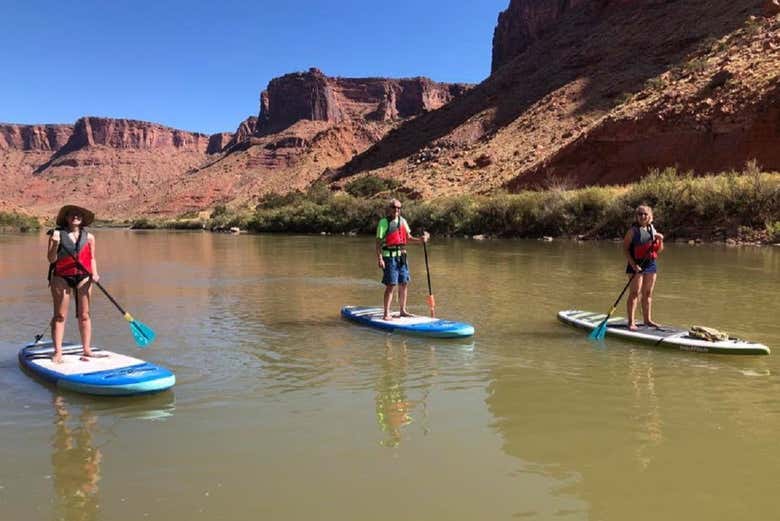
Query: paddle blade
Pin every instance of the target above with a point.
(432, 305)
(600, 331)
(142, 333)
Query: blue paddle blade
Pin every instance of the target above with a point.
(142, 333)
(600, 331)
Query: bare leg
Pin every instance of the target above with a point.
(648, 284)
(388, 300)
(633, 295)
(83, 294)
(402, 293)
(61, 297)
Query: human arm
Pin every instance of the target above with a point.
(381, 231)
(379, 260)
(659, 242)
(627, 240)
(423, 238)
(54, 244)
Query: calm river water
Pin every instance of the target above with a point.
(282, 411)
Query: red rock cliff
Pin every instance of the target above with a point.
(523, 23)
(313, 96)
(34, 137)
(132, 134)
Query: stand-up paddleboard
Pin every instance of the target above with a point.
(416, 325)
(662, 337)
(108, 373)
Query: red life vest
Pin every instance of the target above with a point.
(65, 265)
(644, 250)
(398, 236)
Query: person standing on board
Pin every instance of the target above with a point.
(392, 236)
(67, 277)
(641, 245)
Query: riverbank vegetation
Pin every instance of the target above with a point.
(742, 206)
(16, 222)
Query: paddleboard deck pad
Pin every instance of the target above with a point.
(107, 373)
(664, 336)
(416, 325)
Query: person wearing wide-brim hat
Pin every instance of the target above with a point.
(73, 267)
(87, 217)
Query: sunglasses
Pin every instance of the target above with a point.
(75, 216)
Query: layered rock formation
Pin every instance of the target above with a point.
(599, 91)
(524, 22)
(582, 92)
(313, 96)
(115, 165)
(132, 134)
(43, 138)
(308, 123)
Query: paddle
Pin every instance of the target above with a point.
(431, 300)
(600, 331)
(142, 333)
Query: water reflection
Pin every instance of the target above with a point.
(647, 411)
(393, 406)
(76, 461)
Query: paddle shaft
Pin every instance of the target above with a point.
(642, 265)
(99, 285)
(427, 269)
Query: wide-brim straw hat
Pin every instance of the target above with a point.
(62, 216)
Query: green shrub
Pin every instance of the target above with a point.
(682, 204)
(144, 224)
(12, 221)
(773, 231)
(369, 186)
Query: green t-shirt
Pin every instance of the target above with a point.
(386, 226)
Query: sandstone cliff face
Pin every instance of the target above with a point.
(132, 134)
(316, 97)
(44, 138)
(218, 142)
(245, 130)
(599, 91)
(308, 123)
(523, 23)
(114, 165)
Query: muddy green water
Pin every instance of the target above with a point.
(284, 411)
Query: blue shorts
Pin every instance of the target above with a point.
(396, 271)
(650, 268)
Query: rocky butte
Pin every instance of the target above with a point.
(308, 123)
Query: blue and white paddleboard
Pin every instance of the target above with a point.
(665, 336)
(108, 374)
(416, 325)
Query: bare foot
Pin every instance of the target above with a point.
(653, 324)
(632, 327)
(387, 317)
(89, 354)
(57, 359)
(405, 314)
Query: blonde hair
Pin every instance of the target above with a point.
(647, 209)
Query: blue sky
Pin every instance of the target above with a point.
(200, 66)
